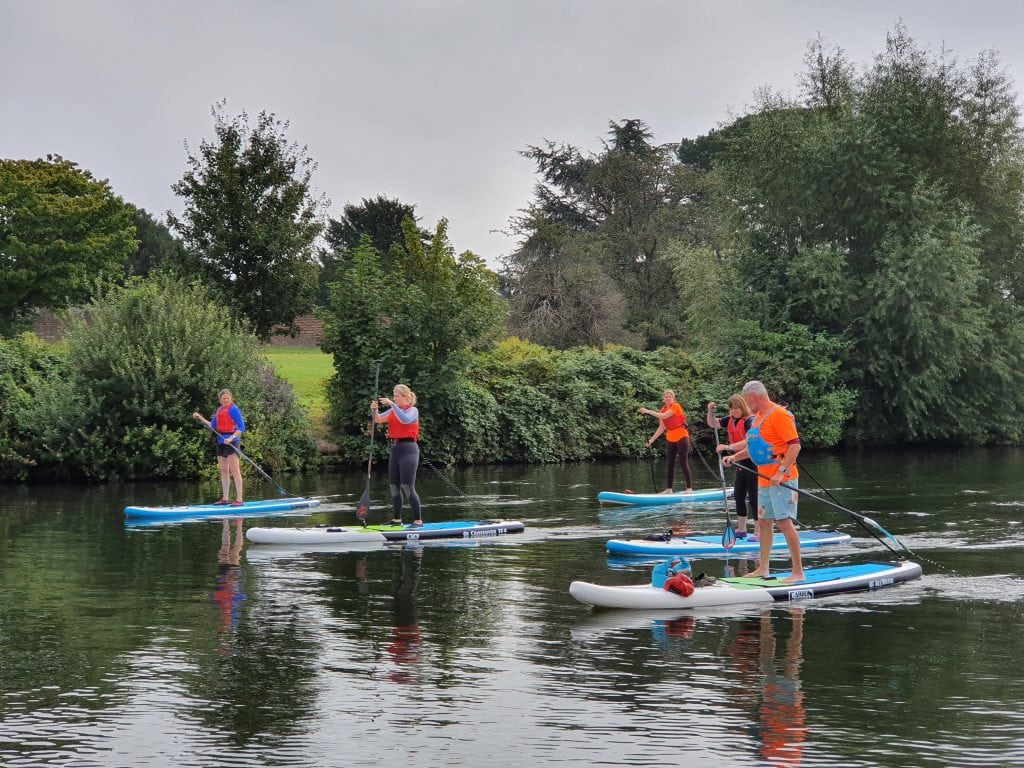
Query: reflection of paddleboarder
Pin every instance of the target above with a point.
(229, 592)
(781, 711)
(405, 637)
(780, 725)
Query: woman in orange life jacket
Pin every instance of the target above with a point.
(403, 420)
(229, 425)
(745, 484)
(672, 421)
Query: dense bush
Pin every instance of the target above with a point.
(26, 363)
(146, 356)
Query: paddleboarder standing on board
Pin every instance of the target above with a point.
(672, 421)
(744, 491)
(403, 420)
(229, 425)
(773, 444)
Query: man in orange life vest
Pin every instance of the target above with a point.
(773, 443)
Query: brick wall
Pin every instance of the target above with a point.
(310, 334)
(48, 326)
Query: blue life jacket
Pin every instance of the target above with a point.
(761, 451)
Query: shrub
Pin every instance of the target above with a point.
(148, 354)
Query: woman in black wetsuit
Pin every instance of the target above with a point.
(403, 420)
(745, 485)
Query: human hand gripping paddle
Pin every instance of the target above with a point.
(729, 533)
(238, 450)
(363, 508)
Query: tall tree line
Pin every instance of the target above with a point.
(874, 220)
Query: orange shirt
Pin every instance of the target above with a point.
(778, 429)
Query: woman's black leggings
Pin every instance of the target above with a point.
(744, 490)
(682, 450)
(402, 464)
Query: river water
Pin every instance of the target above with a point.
(174, 645)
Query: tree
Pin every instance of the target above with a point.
(158, 247)
(883, 209)
(380, 219)
(620, 208)
(562, 296)
(251, 220)
(423, 317)
(61, 230)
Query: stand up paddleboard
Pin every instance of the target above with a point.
(659, 499)
(463, 529)
(712, 545)
(223, 510)
(742, 590)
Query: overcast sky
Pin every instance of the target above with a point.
(432, 101)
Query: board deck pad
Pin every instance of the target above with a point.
(712, 545)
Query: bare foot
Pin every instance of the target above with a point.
(794, 578)
(759, 573)
(689, 490)
(667, 490)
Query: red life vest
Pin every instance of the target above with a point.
(223, 422)
(398, 430)
(737, 429)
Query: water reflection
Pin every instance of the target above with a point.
(404, 649)
(779, 721)
(229, 588)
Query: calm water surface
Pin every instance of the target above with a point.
(149, 647)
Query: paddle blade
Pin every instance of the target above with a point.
(363, 508)
(728, 537)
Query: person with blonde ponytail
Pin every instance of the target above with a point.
(403, 420)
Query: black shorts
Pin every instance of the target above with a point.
(225, 449)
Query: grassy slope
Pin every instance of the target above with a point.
(307, 370)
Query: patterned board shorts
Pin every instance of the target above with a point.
(777, 502)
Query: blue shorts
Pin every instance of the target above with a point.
(777, 502)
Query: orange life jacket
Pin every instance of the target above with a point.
(675, 425)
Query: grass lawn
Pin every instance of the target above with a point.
(307, 370)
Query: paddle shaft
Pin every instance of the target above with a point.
(373, 425)
(363, 507)
(728, 535)
(866, 522)
(256, 466)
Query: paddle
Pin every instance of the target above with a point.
(862, 519)
(363, 508)
(729, 534)
(258, 468)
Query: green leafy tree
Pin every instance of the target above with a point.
(158, 247)
(379, 218)
(883, 209)
(422, 318)
(61, 230)
(251, 220)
